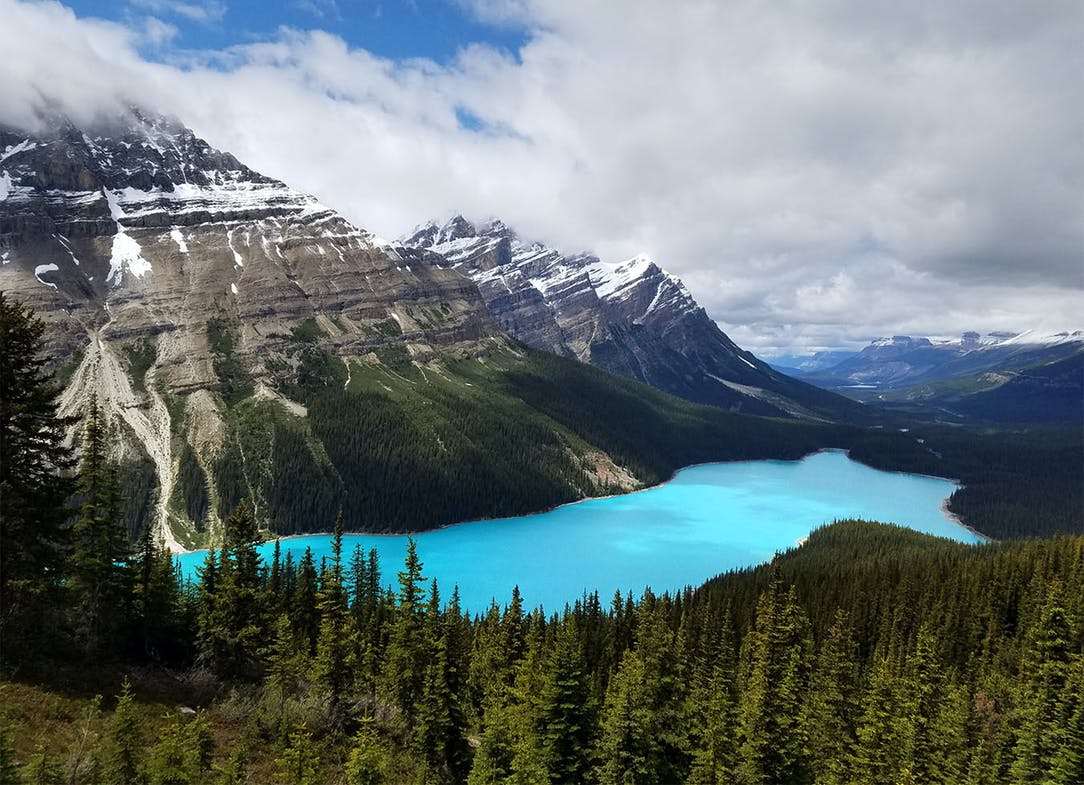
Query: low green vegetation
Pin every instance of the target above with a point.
(402, 447)
(235, 383)
(140, 356)
(307, 332)
(389, 328)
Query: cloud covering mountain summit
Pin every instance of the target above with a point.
(793, 163)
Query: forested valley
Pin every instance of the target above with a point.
(869, 654)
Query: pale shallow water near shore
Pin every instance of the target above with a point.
(706, 520)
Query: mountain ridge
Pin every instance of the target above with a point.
(246, 341)
(629, 317)
(998, 377)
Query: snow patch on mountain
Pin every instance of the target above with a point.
(14, 149)
(178, 238)
(127, 253)
(41, 269)
(610, 279)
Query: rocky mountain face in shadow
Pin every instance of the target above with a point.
(630, 317)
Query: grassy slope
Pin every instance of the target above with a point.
(407, 447)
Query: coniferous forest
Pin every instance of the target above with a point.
(870, 654)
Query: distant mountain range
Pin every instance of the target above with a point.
(1009, 377)
(629, 317)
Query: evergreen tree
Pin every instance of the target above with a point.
(34, 486)
(181, 755)
(490, 672)
(285, 674)
(303, 603)
(297, 764)
(832, 711)
(42, 768)
(363, 577)
(626, 745)
(404, 666)
(457, 646)
(333, 647)
(664, 695)
(367, 764)
(276, 595)
(492, 763)
(512, 630)
(880, 737)
(989, 748)
(712, 699)
(125, 746)
(927, 736)
(234, 769)
(773, 744)
(435, 731)
(368, 611)
(233, 627)
(9, 769)
(100, 580)
(1067, 767)
(525, 718)
(157, 595)
(566, 716)
(1046, 670)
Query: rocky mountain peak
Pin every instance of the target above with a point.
(140, 151)
(630, 317)
(496, 228)
(176, 281)
(457, 228)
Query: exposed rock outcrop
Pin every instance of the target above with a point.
(161, 266)
(631, 318)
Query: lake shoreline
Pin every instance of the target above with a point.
(714, 518)
(986, 539)
(948, 514)
(443, 526)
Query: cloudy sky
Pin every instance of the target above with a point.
(819, 172)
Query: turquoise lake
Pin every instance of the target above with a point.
(708, 519)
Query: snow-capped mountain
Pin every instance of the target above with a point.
(629, 317)
(903, 361)
(171, 276)
(246, 341)
(144, 229)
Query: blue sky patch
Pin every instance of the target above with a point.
(395, 29)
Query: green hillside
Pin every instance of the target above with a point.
(402, 446)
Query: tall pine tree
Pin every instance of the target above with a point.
(333, 647)
(233, 627)
(100, 577)
(34, 486)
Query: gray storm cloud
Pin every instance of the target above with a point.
(819, 173)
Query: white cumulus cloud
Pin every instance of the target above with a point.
(819, 173)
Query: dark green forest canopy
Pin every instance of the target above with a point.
(871, 653)
(492, 437)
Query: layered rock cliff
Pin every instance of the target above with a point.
(175, 281)
(630, 317)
